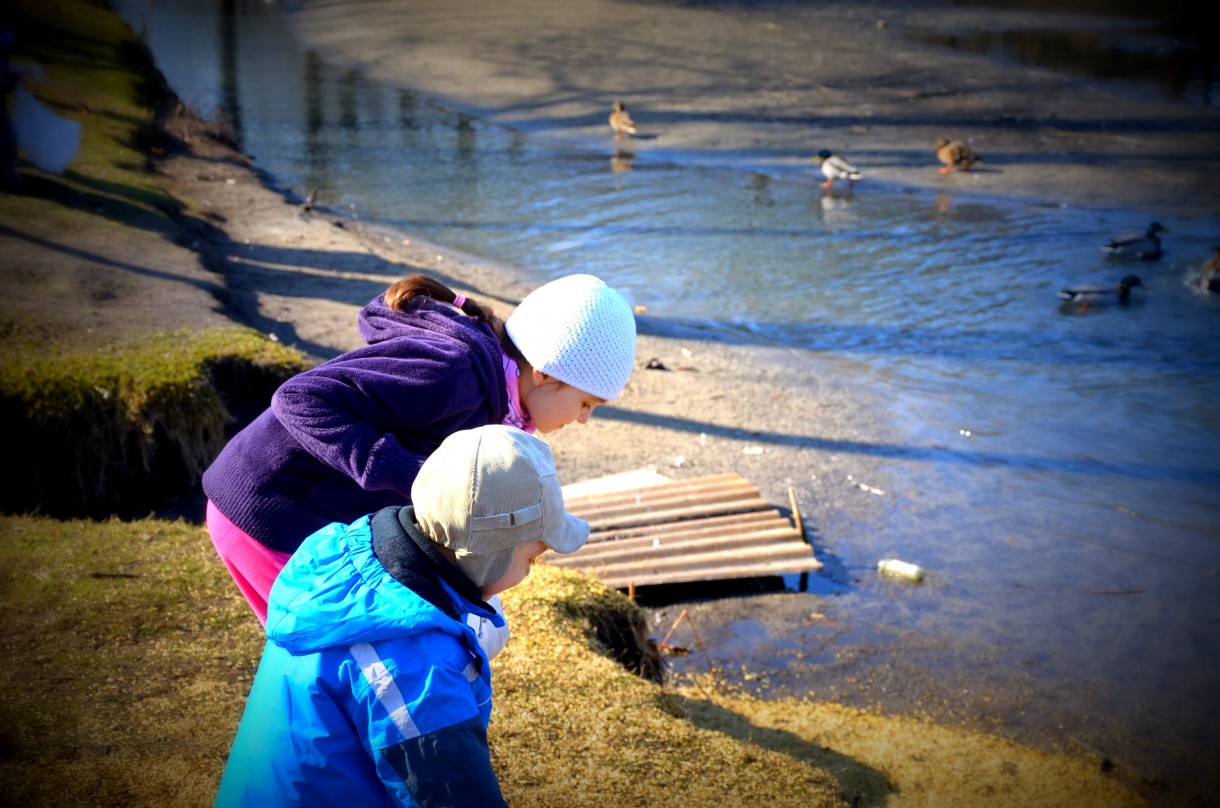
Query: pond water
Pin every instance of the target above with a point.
(1058, 472)
(1162, 45)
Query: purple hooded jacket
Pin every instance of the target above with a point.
(347, 438)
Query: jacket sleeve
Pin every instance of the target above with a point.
(492, 637)
(350, 414)
(449, 767)
(427, 702)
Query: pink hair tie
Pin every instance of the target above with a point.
(459, 300)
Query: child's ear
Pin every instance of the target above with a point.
(538, 377)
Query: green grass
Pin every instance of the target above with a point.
(98, 432)
(99, 74)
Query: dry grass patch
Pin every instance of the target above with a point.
(130, 655)
(910, 761)
(572, 727)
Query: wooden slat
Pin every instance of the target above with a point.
(642, 493)
(710, 528)
(661, 498)
(656, 548)
(787, 567)
(697, 510)
(713, 558)
(728, 498)
(727, 523)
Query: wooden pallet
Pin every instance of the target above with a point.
(705, 529)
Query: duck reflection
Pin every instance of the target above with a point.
(837, 207)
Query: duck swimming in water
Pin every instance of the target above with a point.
(1095, 294)
(1145, 246)
(955, 155)
(836, 167)
(1209, 274)
(620, 120)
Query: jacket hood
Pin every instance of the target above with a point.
(435, 335)
(378, 322)
(334, 591)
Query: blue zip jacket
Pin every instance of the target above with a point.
(373, 689)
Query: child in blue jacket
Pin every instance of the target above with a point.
(373, 688)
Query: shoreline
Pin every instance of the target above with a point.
(605, 446)
(640, 418)
(646, 416)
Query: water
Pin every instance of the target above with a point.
(1189, 77)
(1158, 44)
(1057, 472)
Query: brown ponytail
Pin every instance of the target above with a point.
(401, 293)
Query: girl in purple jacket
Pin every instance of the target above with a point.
(348, 437)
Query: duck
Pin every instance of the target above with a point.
(1209, 274)
(620, 120)
(1145, 246)
(1096, 294)
(955, 154)
(836, 167)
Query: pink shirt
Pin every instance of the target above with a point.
(517, 416)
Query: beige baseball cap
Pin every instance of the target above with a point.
(485, 492)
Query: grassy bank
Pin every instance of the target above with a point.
(108, 412)
(130, 654)
(88, 66)
(119, 429)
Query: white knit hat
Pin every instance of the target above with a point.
(578, 330)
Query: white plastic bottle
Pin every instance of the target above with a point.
(900, 569)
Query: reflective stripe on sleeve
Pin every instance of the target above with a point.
(384, 687)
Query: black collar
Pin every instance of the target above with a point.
(410, 556)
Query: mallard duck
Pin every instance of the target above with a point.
(836, 167)
(1096, 294)
(1209, 275)
(1145, 246)
(620, 120)
(955, 154)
